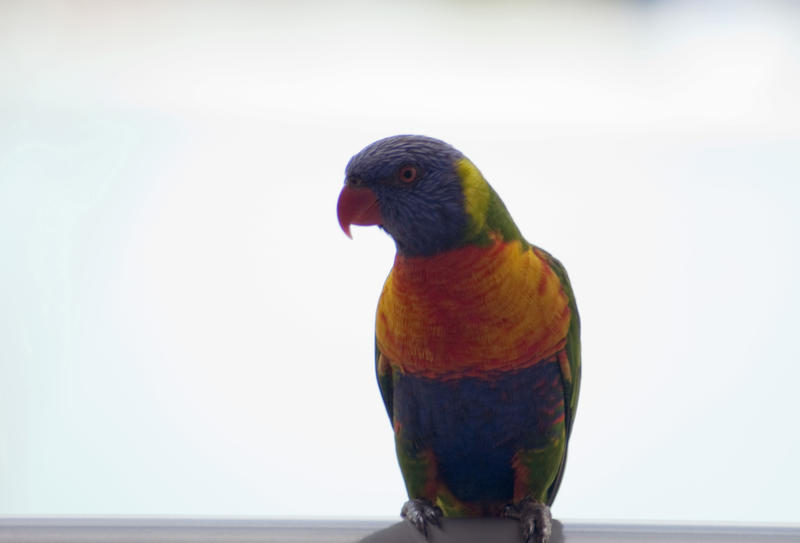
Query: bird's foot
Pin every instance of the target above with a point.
(535, 520)
(421, 514)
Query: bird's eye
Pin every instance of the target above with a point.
(407, 174)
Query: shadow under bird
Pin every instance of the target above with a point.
(477, 347)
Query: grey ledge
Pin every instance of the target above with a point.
(507, 531)
(242, 530)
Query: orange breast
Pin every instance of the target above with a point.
(471, 311)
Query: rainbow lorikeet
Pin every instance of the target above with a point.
(477, 338)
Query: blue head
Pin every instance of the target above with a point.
(410, 186)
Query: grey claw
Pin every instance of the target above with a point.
(535, 520)
(421, 513)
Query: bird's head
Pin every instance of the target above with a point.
(422, 191)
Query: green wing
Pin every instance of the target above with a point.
(383, 371)
(572, 381)
(573, 346)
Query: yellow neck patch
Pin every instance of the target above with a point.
(476, 195)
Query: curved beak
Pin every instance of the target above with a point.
(358, 206)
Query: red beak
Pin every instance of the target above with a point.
(358, 206)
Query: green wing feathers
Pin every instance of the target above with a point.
(571, 375)
(383, 372)
(573, 346)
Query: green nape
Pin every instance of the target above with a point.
(499, 220)
(486, 213)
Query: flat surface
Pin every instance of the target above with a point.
(173, 530)
(505, 530)
(233, 530)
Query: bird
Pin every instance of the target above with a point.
(477, 338)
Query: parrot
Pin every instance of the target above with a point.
(477, 338)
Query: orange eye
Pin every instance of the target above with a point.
(407, 174)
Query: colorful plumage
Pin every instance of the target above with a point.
(477, 338)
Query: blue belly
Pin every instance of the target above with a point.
(475, 426)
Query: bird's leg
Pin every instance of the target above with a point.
(535, 520)
(419, 467)
(421, 513)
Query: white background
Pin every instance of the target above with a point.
(185, 330)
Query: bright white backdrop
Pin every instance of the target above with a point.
(185, 330)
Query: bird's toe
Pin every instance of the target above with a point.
(535, 520)
(421, 514)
